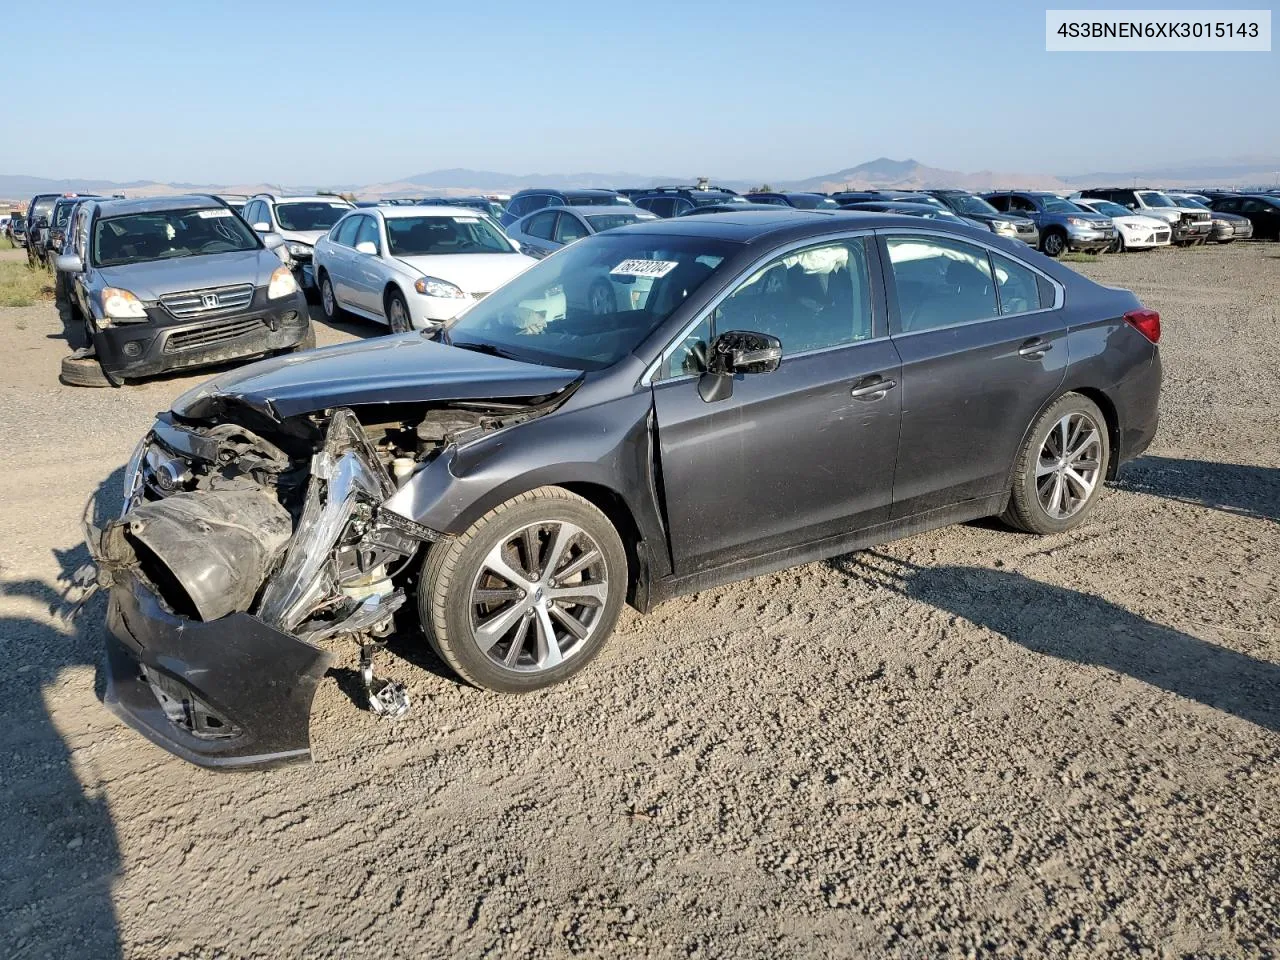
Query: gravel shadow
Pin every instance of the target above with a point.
(1241, 489)
(1086, 629)
(58, 844)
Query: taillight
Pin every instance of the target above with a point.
(1146, 322)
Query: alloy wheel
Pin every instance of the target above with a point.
(398, 317)
(1068, 466)
(326, 298)
(538, 596)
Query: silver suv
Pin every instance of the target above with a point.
(173, 282)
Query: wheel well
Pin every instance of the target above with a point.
(391, 288)
(1054, 228)
(615, 508)
(1113, 425)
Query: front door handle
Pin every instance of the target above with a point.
(872, 388)
(1034, 349)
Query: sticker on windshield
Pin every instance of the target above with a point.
(644, 268)
(206, 214)
(466, 219)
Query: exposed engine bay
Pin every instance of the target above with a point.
(285, 522)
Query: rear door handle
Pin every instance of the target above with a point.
(1034, 349)
(872, 388)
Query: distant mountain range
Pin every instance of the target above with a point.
(882, 173)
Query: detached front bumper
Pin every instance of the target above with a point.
(226, 694)
(163, 343)
(1089, 240)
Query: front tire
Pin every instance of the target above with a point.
(1058, 475)
(1054, 244)
(333, 311)
(397, 312)
(528, 595)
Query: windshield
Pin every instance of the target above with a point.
(598, 200)
(169, 234)
(591, 303)
(802, 202)
(1108, 209)
(310, 214)
(1191, 202)
(42, 208)
(1153, 199)
(434, 236)
(971, 205)
(607, 221)
(62, 213)
(1058, 205)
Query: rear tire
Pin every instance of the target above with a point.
(1053, 244)
(1059, 472)
(523, 595)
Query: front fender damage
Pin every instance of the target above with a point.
(230, 566)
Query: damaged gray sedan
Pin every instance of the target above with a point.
(647, 413)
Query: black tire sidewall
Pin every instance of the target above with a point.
(452, 638)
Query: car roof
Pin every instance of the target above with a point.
(610, 208)
(575, 192)
(301, 198)
(781, 225)
(114, 208)
(418, 210)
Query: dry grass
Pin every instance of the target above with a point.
(21, 286)
(1079, 258)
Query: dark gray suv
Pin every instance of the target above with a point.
(767, 390)
(175, 282)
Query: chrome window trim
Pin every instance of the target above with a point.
(646, 378)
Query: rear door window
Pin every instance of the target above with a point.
(569, 228)
(541, 226)
(1019, 287)
(940, 282)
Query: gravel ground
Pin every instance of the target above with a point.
(968, 743)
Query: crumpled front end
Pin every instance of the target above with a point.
(235, 557)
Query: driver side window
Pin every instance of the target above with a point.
(368, 232)
(811, 299)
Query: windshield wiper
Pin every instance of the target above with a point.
(483, 348)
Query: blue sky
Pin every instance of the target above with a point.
(319, 92)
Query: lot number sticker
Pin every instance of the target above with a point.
(644, 268)
(206, 214)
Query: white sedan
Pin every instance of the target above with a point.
(1133, 231)
(412, 267)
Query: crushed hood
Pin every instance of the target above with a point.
(153, 279)
(396, 369)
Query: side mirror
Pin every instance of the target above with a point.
(42, 223)
(272, 241)
(261, 227)
(69, 263)
(742, 351)
(737, 352)
(1132, 206)
(366, 246)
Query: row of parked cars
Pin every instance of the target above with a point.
(147, 286)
